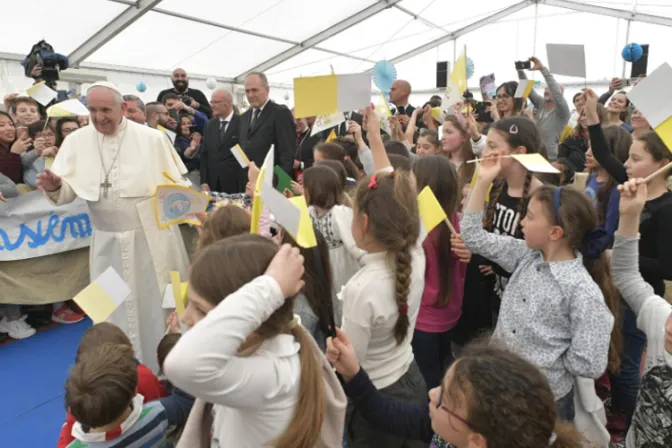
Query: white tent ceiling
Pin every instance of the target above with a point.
(291, 38)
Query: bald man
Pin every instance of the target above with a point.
(196, 98)
(399, 94)
(220, 171)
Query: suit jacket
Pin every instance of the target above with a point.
(343, 127)
(219, 168)
(408, 110)
(275, 126)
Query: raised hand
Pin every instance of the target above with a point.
(537, 63)
(48, 181)
(459, 248)
(286, 268)
(633, 197)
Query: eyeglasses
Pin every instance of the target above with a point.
(66, 131)
(441, 406)
(503, 97)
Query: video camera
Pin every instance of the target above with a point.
(43, 54)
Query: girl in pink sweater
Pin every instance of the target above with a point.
(441, 305)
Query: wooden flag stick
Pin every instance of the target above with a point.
(662, 170)
(450, 226)
(485, 158)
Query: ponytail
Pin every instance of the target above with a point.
(402, 262)
(598, 268)
(305, 427)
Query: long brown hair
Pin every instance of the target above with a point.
(527, 136)
(322, 187)
(223, 222)
(509, 401)
(466, 170)
(439, 174)
(577, 217)
(247, 257)
(391, 204)
(318, 285)
(619, 141)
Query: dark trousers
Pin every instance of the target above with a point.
(625, 385)
(565, 407)
(409, 388)
(434, 355)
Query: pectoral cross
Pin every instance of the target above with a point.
(106, 185)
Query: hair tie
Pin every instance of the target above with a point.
(556, 205)
(513, 130)
(593, 245)
(553, 438)
(403, 309)
(392, 173)
(373, 183)
(296, 320)
(346, 158)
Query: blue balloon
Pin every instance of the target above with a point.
(141, 86)
(632, 52)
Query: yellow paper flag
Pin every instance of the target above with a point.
(103, 296)
(664, 131)
(473, 183)
(177, 292)
(257, 205)
(332, 136)
(431, 211)
(316, 95)
(306, 234)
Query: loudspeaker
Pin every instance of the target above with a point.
(442, 71)
(639, 67)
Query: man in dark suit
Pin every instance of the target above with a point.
(399, 94)
(264, 124)
(220, 171)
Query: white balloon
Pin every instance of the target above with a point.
(211, 83)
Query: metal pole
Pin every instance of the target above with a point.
(627, 39)
(536, 19)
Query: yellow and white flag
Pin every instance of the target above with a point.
(42, 93)
(103, 296)
(240, 156)
(324, 122)
(431, 212)
(68, 108)
(457, 82)
(524, 89)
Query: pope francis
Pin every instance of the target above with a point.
(116, 165)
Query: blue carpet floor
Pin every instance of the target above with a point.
(32, 375)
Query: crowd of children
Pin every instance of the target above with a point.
(569, 283)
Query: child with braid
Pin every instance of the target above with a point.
(508, 199)
(381, 302)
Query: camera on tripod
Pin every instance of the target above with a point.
(42, 54)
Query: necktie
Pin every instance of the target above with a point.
(222, 128)
(255, 116)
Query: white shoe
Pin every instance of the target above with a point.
(16, 329)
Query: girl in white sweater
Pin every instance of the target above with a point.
(266, 377)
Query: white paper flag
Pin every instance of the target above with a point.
(325, 122)
(568, 60)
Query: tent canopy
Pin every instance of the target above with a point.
(291, 38)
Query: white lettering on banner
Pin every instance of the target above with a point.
(31, 226)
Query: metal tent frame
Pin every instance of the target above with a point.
(137, 8)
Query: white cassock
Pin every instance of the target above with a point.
(125, 234)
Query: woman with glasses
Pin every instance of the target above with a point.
(64, 127)
(505, 105)
(489, 397)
